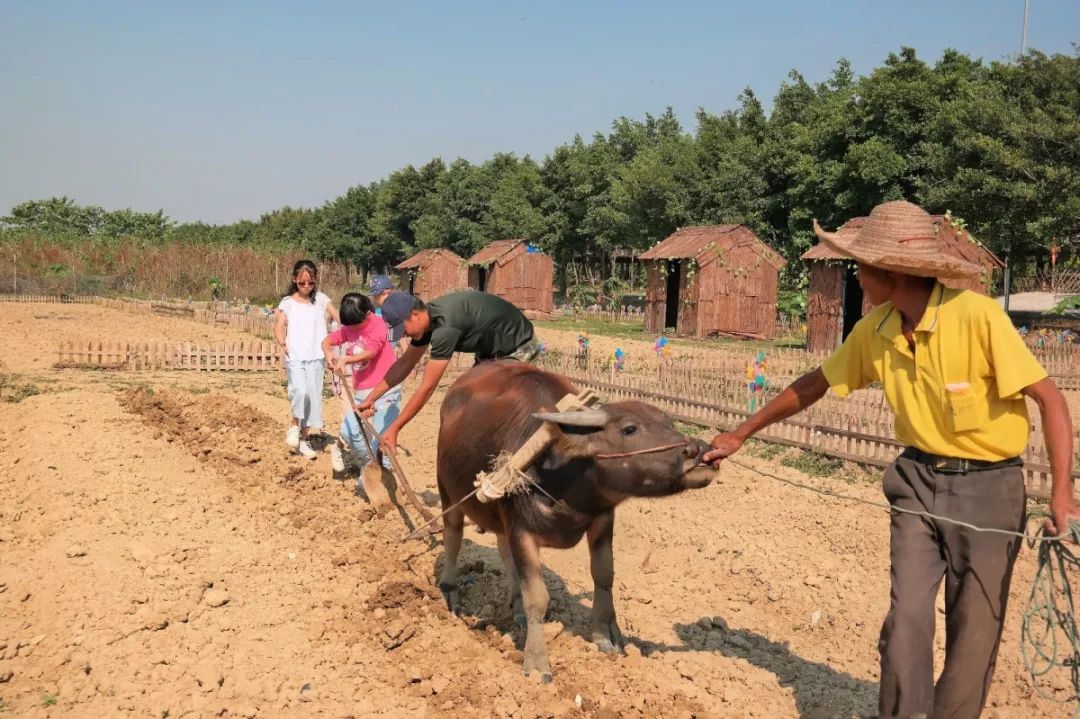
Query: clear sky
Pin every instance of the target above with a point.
(223, 110)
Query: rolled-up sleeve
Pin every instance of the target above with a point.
(850, 366)
(1014, 366)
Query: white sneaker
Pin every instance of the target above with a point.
(292, 437)
(337, 462)
(304, 448)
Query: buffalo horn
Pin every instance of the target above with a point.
(584, 418)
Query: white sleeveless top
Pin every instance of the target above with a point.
(305, 327)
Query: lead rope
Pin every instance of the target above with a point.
(1049, 621)
(650, 450)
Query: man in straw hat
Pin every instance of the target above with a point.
(957, 374)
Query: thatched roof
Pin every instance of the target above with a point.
(493, 252)
(956, 242)
(689, 242)
(426, 257)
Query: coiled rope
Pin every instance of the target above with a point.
(1048, 635)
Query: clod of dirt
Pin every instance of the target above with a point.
(216, 598)
(153, 620)
(75, 551)
(394, 595)
(394, 638)
(209, 675)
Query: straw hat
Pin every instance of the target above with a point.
(900, 237)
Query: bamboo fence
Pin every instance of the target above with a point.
(50, 299)
(243, 356)
(623, 314)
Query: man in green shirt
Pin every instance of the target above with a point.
(487, 326)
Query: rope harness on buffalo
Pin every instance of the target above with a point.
(509, 472)
(1049, 638)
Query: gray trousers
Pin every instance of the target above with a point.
(976, 566)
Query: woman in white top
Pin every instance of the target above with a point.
(299, 329)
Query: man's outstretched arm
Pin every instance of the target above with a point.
(796, 397)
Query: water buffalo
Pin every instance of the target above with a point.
(493, 408)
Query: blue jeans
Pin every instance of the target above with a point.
(387, 409)
(305, 390)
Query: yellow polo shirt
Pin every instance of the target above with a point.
(958, 393)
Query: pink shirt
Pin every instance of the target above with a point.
(371, 335)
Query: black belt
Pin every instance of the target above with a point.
(955, 465)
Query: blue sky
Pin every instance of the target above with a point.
(223, 110)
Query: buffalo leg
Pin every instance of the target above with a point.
(534, 595)
(605, 632)
(507, 555)
(453, 532)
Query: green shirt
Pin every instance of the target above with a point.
(475, 322)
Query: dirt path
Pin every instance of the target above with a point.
(164, 556)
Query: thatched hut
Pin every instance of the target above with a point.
(431, 273)
(835, 300)
(719, 279)
(515, 271)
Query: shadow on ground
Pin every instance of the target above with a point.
(819, 690)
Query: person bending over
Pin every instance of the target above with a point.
(479, 323)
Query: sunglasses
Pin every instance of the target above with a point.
(305, 284)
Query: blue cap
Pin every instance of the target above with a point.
(396, 308)
(380, 284)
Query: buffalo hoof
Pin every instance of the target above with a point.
(536, 663)
(452, 597)
(545, 677)
(609, 639)
(607, 647)
(542, 676)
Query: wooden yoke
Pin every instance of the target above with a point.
(506, 476)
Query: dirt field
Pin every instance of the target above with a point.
(164, 556)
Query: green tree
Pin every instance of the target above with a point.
(1008, 156)
(404, 198)
(455, 211)
(513, 207)
(148, 226)
(55, 216)
(343, 232)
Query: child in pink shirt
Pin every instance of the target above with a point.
(367, 355)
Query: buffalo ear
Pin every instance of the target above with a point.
(588, 418)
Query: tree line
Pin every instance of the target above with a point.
(997, 144)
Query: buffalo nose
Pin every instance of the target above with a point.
(694, 449)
